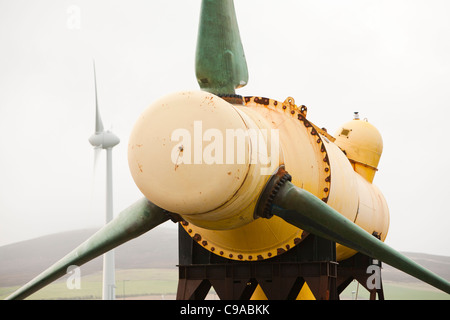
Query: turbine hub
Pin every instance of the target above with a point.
(104, 140)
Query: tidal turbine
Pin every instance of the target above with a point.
(265, 226)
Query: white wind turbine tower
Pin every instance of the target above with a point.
(106, 140)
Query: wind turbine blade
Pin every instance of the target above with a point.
(134, 221)
(97, 152)
(305, 211)
(94, 170)
(98, 119)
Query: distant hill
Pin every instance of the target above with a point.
(22, 261)
(437, 264)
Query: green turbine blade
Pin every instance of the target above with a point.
(305, 211)
(137, 219)
(220, 63)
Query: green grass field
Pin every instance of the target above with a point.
(132, 283)
(162, 284)
(397, 291)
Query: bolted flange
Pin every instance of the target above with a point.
(264, 207)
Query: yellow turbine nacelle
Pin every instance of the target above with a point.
(208, 160)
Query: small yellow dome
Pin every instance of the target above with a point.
(363, 145)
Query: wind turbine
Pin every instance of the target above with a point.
(102, 139)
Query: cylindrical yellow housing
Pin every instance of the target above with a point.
(355, 198)
(192, 153)
(197, 155)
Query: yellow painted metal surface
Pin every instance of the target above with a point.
(372, 214)
(258, 294)
(217, 200)
(363, 145)
(304, 294)
(352, 195)
(305, 159)
(343, 194)
(178, 153)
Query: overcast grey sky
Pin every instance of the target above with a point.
(389, 60)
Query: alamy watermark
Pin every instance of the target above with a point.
(73, 21)
(374, 280)
(74, 280)
(258, 146)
